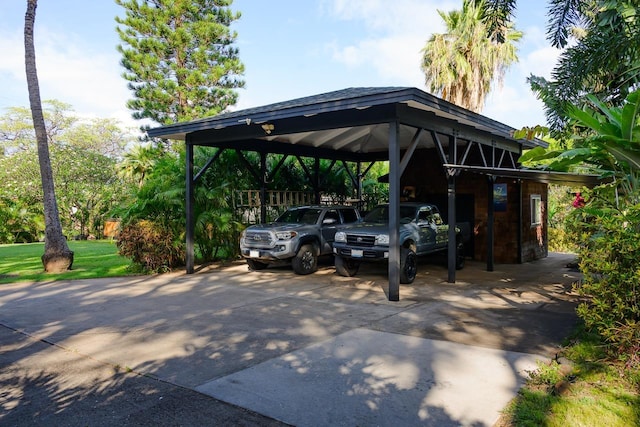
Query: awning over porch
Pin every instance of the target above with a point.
(545, 176)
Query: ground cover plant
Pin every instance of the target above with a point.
(94, 259)
(587, 389)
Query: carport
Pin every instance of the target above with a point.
(360, 125)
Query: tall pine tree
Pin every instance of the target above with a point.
(179, 58)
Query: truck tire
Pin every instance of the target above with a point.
(255, 265)
(459, 254)
(346, 267)
(306, 260)
(408, 266)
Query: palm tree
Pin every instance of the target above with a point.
(461, 64)
(138, 162)
(563, 16)
(600, 41)
(57, 256)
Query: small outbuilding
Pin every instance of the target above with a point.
(464, 162)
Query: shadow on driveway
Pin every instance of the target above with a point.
(305, 350)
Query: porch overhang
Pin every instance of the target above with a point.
(544, 176)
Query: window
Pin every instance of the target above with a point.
(349, 215)
(332, 215)
(536, 210)
(424, 215)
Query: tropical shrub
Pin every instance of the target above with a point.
(151, 245)
(609, 243)
(160, 199)
(19, 223)
(560, 205)
(607, 228)
(606, 142)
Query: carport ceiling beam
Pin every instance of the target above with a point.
(299, 137)
(436, 140)
(409, 153)
(274, 147)
(275, 170)
(354, 179)
(329, 135)
(293, 125)
(250, 167)
(326, 174)
(466, 152)
(349, 137)
(368, 168)
(208, 164)
(307, 172)
(428, 120)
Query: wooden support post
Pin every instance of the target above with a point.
(490, 222)
(359, 187)
(451, 207)
(263, 188)
(393, 291)
(190, 227)
(316, 180)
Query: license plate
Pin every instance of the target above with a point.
(254, 254)
(356, 253)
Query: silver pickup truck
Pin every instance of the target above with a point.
(422, 232)
(300, 235)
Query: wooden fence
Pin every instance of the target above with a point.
(247, 203)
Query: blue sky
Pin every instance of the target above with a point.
(290, 48)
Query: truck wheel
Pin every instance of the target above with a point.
(346, 267)
(255, 265)
(459, 255)
(408, 265)
(306, 260)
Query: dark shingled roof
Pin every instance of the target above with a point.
(345, 99)
(353, 123)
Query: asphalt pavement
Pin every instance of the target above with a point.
(226, 346)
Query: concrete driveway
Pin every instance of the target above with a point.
(230, 347)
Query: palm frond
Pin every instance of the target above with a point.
(496, 15)
(563, 15)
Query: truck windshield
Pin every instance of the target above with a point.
(300, 216)
(380, 214)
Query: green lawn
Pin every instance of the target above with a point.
(92, 259)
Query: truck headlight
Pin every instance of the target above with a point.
(340, 236)
(382, 239)
(285, 235)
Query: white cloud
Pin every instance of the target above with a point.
(396, 59)
(399, 16)
(515, 106)
(12, 48)
(69, 70)
(393, 39)
(75, 73)
(541, 61)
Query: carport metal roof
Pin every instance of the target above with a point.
(358, 124)
(349, 124)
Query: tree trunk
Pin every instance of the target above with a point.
(57, 256)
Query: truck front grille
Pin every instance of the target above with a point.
(259, 239)
(361, 240)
